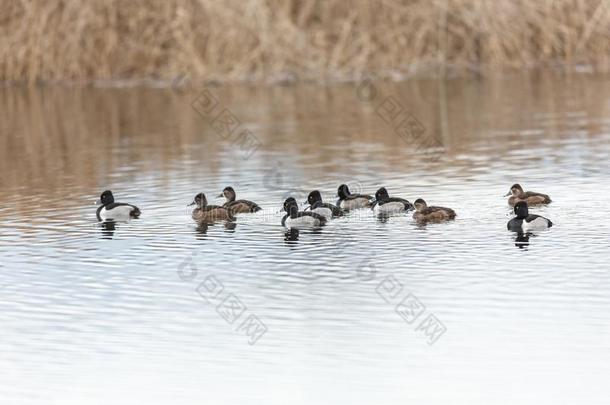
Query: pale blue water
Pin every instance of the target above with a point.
(95, 315)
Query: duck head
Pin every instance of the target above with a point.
(343, 191)
(106, 197)
(291, 207)
(199, 200)
(228, 193)
(515, 189)
(521, 210)
(420, 204)
(314, 197)
(382, 194)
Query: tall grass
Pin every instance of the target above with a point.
(230, 40)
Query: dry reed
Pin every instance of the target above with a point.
(232, 40)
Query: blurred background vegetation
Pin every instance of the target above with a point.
(277, 40)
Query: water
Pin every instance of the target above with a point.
(96, 314)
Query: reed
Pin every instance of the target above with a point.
(234, 40)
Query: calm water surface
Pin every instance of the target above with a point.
(93, 313)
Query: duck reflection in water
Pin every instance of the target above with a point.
(202, 227)
(107, 228)
(522, 241)
(291, 236)
(383, 218)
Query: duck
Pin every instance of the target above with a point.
(525, 222)
(300, 219)
(349, 201)
(327, 210)
(110, 210)
(384, 204)
(237, 206)
(209, 213)
(517, 194)
(423, 213)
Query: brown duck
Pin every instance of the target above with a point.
(237, 206)
(423, 213)
(517, 194)
(209, 213)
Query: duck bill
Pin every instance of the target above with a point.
(191, 204)
(220, 195)
(507, 194)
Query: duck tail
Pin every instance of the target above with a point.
(135, 212)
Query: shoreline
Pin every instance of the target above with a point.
(430, 72)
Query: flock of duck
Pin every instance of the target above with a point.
(318, 212)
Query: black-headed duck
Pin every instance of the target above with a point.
(525, 222)
(110, 210)
(209, 213)
(237, 206)
(300, 219)
(517, 194)
(349, 201)
(316, 206)
(384, 204)
(423, 213)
